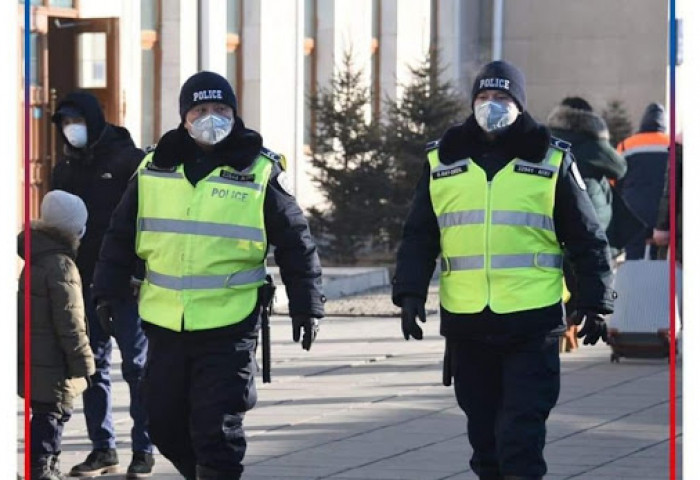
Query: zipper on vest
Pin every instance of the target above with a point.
(487, 242)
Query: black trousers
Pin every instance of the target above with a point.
(48, 420)
(197, 388)
(507, 392)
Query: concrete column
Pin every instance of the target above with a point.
(252, 50)
(343, 25)
(404, 42)
(449, 12)
(213, 36)
(130, 67)
(179, 56)
(273, 82)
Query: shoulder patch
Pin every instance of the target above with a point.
(150, 148)
(284, 183)
(432, 145)
(559, 144)
(266, 152)
(577, 176)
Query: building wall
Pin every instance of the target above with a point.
(597, 49)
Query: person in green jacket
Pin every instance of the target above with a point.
(61, 358)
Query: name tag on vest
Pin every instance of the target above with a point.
(450, 172)
(540, 172)
(238, 177)
(153, 167)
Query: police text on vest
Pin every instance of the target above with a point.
(226, 193)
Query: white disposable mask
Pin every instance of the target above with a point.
(210, 129)
(493, 116)
(76, 134)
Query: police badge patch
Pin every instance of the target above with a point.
(577, 176)
(284, 183)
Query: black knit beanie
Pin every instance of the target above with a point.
(206, 87)
(501, 75)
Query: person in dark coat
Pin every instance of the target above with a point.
(99, 158)
(210, 183)
(61, 359)
(646, 153)
(501, 281)
(575, 121)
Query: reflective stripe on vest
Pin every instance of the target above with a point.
(204, 245)
(499, 246)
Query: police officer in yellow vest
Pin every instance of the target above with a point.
(501, 202)
(201, 212)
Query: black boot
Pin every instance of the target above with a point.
(98, 462)
(43, 468)
(206, 473)
(520, 477)
(141, 465)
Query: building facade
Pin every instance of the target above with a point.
(135, 54)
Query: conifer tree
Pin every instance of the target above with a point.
(429, 106)
(348, 170)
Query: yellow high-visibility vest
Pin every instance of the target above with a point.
(497, 238)
(204, 245)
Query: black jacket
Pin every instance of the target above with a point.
(596, 158)
(576, 226)
(97, 173)
(285, 224)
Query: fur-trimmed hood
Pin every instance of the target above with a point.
(587, 123)
(238, 150)
(48, 240)
(525, 139)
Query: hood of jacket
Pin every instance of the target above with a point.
(238, 150)
(654, 119)
(91, 111)
(525, 139)
(46, 240)
(587, 124)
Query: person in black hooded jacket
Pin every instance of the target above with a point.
(99, 158)
(201, 212)
(490, 179)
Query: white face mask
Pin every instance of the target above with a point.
(210, 129)
(76, 134)
(493, 116)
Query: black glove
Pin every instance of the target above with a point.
(412, 307)
(593, 326)
(105, 315)
(310, 326)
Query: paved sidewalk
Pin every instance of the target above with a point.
(365, 404)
